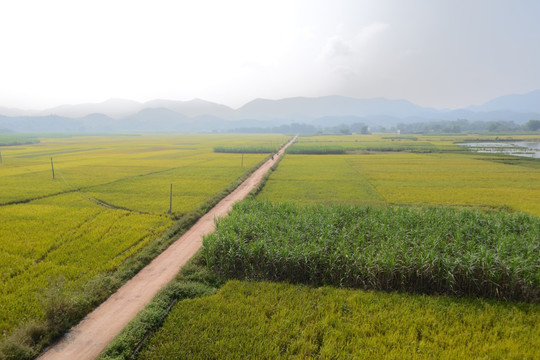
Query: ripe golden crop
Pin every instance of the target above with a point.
(109, 198)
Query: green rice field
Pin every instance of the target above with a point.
(404, 214)
(448, 179)
(261, 320)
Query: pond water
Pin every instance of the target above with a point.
(517, 148)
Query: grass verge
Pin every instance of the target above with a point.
(194, 280)
(261, 149)
(265, 178)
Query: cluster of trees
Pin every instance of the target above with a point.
(356, 128)
(532, 125)
(442, 126)
(463, 125)
(293, 128)
(296, 128)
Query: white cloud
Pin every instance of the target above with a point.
(337, 46)
(343, 45)
(62, 51)
(368, 32)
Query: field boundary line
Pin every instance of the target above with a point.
(97, 329)
(373, 187)
(83, 189)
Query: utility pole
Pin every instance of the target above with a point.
(242, 165)
(52, 167)
(170, 202)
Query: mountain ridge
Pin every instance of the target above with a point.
(201, 115)
(343, 105)
(528, 102)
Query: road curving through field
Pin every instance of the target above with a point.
(97, 329)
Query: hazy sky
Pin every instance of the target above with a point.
(444, 54)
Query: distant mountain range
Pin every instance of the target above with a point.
(529, 102)
(199, 115)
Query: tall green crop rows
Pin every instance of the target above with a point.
(429, 250)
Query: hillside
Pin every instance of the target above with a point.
(118, 115)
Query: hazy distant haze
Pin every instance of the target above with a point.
(328, 112)
(441, 54)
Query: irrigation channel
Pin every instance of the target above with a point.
(97, 329)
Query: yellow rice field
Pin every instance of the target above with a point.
(108, 199)
(436, 178)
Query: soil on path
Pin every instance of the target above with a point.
(97, 329)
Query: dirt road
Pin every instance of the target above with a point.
(97, 329)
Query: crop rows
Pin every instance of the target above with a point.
(192, 183)
(320, 149)
(260, 320)
(109, 200)
(324, 179)
(356, 143)
(62, 239)
(89, 162)
(260, 149)
(403, 178)
(451, 179)
(397, 143)
(16, 139)
(420, 249)
(316, 149)
(429, 250)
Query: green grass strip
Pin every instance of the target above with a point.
(193, 281)
(261, 149)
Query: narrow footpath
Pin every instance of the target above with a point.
(88, 339)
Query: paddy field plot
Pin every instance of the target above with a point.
(437, 178)
(281, 321)
(109, 198)
(356, 143)
(414, 214)
(319, 179)
(328, 144)
(400, 249)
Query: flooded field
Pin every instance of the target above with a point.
(517, 148)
